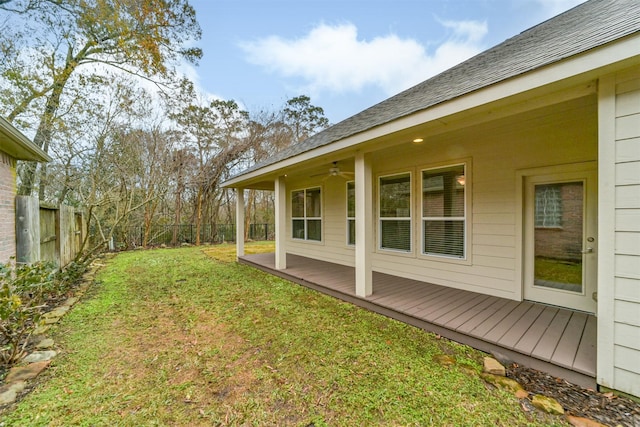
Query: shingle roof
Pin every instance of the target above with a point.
(576, 31)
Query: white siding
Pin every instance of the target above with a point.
(564, 134)
(333, 247)
(561, 134)
(619, 354)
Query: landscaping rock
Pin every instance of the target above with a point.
(583, 422)
(41, 329)
(492, 366)
(40, 356)
(502, 382)
(547, 404)
(70, 301)
(22, 373)
(45, 344)
(9, 392)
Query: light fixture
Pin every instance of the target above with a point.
(461, 180)
(417, 141)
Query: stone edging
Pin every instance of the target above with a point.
(494, 373)
(38, 360)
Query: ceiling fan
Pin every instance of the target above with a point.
(334, 170)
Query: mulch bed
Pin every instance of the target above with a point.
(605, 408)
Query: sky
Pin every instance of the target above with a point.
(346, 55)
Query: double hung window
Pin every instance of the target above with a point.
(395, 212)
(444, 211)
(351, 213)
(306, 214)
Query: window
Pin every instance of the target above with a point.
(306, 214)
(548, 206)
(395, 212)
(443, 211)
(351, 213)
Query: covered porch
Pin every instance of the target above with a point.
(555, 340)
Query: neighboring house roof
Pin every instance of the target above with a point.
(585, 27)
(18, 146)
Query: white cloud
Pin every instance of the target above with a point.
(332, 58)
(555, 7)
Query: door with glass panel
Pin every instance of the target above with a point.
(560, 239)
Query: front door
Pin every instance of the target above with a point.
(560, 239)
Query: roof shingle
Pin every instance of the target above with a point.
(585, 27)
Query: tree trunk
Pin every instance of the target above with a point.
(44, 132)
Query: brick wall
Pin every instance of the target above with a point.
(7, 207)
(565, 242)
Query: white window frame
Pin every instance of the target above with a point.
(464, 219)
(409, 219)
(350, 218)
(306, 218)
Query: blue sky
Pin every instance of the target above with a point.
(346, 54)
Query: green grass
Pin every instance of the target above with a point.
(558, 271)
(175, 337)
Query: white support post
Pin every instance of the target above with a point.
(281, 223)
(605, 372)
(239, 222)
(364, 225)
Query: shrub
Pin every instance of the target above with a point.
(24, 292)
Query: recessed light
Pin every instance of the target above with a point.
(417, 141)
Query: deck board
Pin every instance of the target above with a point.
(547, 345)
(470, 312)
(586, 354)
(567, 347)
(459, 312)
(494, 320)
(432, 303)
(519, 328)
(459, 299)
(483, 315)
(551, 337)
(530, 339)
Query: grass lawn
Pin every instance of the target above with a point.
(176, 337)
(557, 271)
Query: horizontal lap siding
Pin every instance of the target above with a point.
(333, 247)
(627, 238)
(7, 207)
(497, 150)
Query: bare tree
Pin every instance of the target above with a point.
(50, 41)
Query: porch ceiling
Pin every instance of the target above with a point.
(484, 119)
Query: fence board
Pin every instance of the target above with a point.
(27, 229)
(43, 233)
(49, 250)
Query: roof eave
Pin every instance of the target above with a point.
(604, 59)
(19, 146)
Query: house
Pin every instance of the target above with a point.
(497, 203)
(13, 146)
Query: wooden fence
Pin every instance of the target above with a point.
(46, 233)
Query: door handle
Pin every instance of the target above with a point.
(587, 251)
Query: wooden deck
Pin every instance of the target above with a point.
(551, 339)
